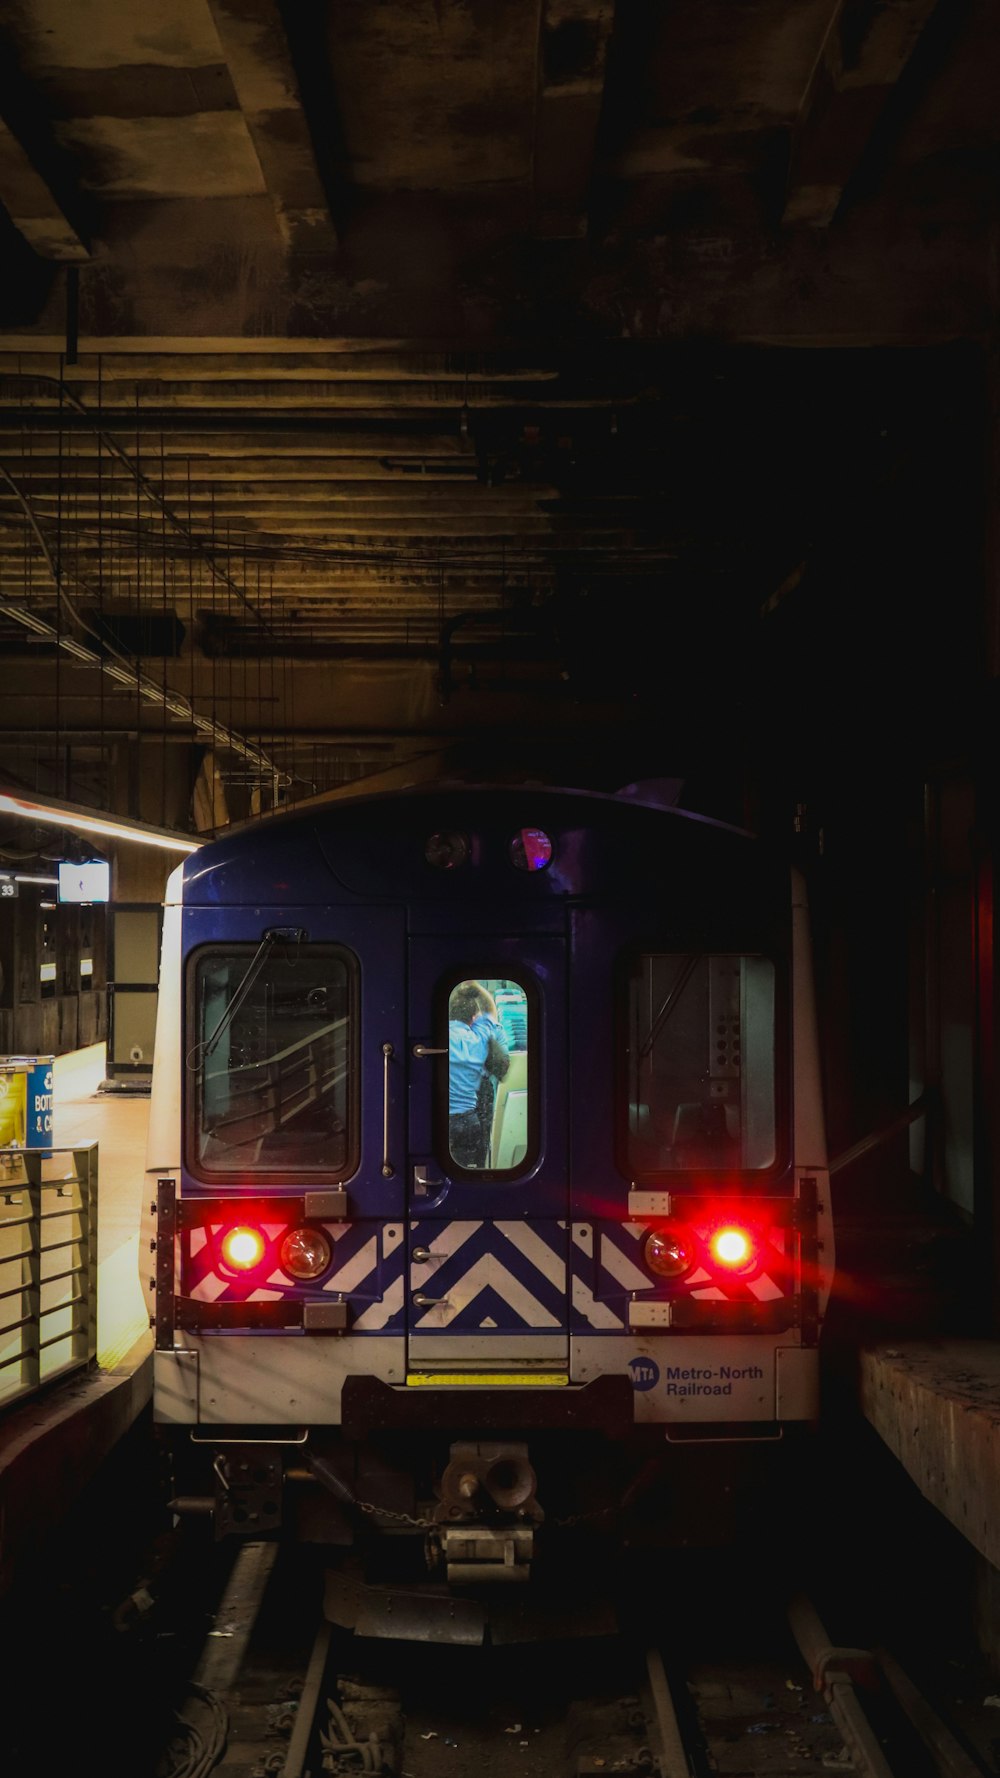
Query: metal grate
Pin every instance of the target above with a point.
(48, 1265)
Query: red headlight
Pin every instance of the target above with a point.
(669, 1250)
(305, 1253)
(243, 1247)
(733, 1248)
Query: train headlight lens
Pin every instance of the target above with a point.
(305, 1253)
(243, 1248)
(733, 1248)
(669, 1251)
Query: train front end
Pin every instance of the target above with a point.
(452, 1278)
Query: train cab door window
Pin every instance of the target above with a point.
(488, 1075)
(700, 1056)
(272, 1061)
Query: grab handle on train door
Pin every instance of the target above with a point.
(430, 1302)
(421, 1049)
(387, 1055)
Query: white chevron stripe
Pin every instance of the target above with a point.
(765, 1289)
(377, 1314)
(445, 1237)
(353, 1272)
(527, 1241)
(512, 1291)
(598, 1314)
(265, 1296)
(621, 1267)
(210, 1287)
(199, 1239)
(487, 1271)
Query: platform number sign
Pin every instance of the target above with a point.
(8, 889)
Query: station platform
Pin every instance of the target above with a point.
(936, 1405)
(53, 1444)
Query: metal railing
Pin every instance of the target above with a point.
(48, 1265)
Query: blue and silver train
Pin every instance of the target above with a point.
(371, 1334)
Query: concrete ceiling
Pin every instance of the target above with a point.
(606, 378)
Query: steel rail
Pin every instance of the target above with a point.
(947, 1751)
(674, 1761)
(832, 1669)
(308, 1707)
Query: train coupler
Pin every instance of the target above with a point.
(486, 1479)
(476, 1553)
(248, 1486)
(487, 1513)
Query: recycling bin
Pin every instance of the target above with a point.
(26, 1101)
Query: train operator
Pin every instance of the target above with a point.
(475, 1036)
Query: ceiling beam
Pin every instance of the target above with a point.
(39, 186)
(863, 54)
(32, 207)
(257, 53)
(374, 398)
(300, 359)
(381, 433)
(573, 44)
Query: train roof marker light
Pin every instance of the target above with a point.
(447, 851)
(530, 849)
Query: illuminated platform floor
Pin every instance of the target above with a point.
(81, 1113)
(52, 1445)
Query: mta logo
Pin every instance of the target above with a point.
(644, 1373)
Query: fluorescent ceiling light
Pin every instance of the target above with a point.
(33, 808)
(21, 877)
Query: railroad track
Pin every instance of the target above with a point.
(278, 1692)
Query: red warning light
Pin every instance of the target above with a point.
(733, 1248)
(242, 1248)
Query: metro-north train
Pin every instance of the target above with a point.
(488, 1179)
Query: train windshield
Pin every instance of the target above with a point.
(701, 1062)
(272, 1061)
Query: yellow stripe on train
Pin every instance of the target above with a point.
(487, 1379)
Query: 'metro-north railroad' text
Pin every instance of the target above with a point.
(689, 1380)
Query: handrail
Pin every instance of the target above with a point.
(876, 1137)
(48, 1305)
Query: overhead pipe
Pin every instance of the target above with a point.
(511, 623)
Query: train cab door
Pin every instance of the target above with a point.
(487, 1194)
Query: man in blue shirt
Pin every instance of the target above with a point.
(473, 1021)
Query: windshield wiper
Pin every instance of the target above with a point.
(690, 965)
(199, 1055)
